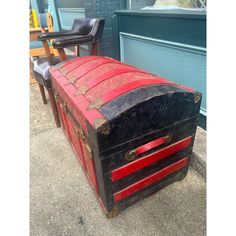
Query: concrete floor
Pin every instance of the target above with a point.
(62, 202)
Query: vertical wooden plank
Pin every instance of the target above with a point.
(62, 54)
(77, 52)
(52, 8)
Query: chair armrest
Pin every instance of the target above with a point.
(72, 41)
(52, 35)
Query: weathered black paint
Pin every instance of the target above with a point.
(135, 119)
(157, 110)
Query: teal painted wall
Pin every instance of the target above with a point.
(181, 63)
(67, 11)
(67, 16)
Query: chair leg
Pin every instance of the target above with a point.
(54, 108)
(77, 53)
(94, 49)
(41, 88)
(62, 54)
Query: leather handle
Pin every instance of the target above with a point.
(147, 147)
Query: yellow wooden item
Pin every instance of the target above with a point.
(34, 17)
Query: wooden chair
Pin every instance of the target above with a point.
(84, 31)
(36, 47)
(46, 25)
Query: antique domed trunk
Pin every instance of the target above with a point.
(131, 131)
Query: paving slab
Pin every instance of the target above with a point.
(63, 203)
(199, 152)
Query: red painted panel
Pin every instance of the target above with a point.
(89, 166)
(75, 140)
(118, 82)
(80, 103)
(111, 73)
(101, 70)
(63, 119)
(69, 62)
(148, 146)
(79, 147)
(90, 66)
(149, 180)
(112, 94)
(138, 164)
(77, 62)
(66, 95)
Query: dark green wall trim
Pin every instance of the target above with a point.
(202, 121)
(201, 14)
(40, 6)
(124, 4)
(176, 26)
(116, 38)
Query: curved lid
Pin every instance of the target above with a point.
(92, 82)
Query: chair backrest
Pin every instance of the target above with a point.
(88, 26)
(98, 28)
